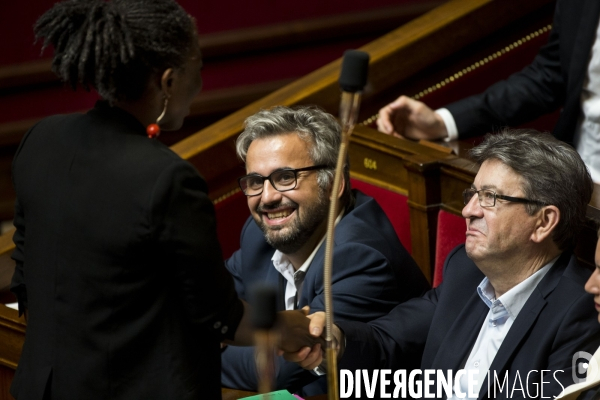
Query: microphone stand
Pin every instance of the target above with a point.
(348, 114)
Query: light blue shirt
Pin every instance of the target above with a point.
(503, 312)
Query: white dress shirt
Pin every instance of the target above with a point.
(295, 279)
(587, 135)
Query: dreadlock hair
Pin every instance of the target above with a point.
(115, 46)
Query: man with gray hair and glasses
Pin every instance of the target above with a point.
(511, 312)
(290, 156)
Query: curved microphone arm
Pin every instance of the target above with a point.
(348, 114)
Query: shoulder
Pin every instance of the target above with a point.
(366, 222)
(564, 284)
(460, 270)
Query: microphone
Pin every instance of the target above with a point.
(263, 318)
(353, 78)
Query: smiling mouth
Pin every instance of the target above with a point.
(279, 214)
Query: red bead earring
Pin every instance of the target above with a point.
(153, 130)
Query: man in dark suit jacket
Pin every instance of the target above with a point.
(512, 304)
(372, 271)
(554, 79)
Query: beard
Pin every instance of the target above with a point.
(289, 239)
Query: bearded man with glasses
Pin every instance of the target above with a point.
(511, 314)
(290, 155)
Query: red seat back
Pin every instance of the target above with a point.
(395, 206)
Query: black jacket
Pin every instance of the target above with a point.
(118, 265)
(554, 79)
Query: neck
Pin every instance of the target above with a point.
(509, 272)
(299, 257)
(142, 111)
(147, 108)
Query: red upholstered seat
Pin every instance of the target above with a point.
(232, 211)
(450, 233)
(395, 206)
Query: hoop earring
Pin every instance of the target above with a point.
(153, 130)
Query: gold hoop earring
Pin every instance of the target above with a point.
(153, 130)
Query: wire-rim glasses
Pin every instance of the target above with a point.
(282, 180)
(487, 197)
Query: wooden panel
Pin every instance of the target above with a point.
(409, 168)
(12, 332)
(251, 40)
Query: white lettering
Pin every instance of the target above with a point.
(517, 379)
(412, 384)
(556, 379)
(428, 382)
(444, 383)
(370, 388)
(400, 382)
(534, 384)
(459, 394)
(472, 382)
(346, 390)
(384, 383)
(497, 383)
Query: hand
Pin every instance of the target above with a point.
(294, 328)
(406, 117)
(310, 357)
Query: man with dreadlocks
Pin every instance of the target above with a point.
(118, 264)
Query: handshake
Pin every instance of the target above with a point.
(302, 337)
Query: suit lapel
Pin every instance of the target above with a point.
(526, 318)
(460, 338)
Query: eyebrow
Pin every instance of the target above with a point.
(275, 170)
(485, 187)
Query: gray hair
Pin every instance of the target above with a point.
(552, 171)
(313, 125)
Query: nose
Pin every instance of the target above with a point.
(472, 208)
(270, 194)
(593, 284)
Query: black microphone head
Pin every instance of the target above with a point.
(355, 68)
(263, 300)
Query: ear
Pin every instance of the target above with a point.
(166, 81)
(548, 218)
(341, 191)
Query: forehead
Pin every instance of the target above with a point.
(279, 151)
(494, 174)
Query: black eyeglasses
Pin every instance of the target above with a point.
(487, 197)
(283, 179)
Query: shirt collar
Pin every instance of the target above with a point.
(516, 297)
(281, 262)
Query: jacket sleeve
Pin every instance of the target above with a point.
(183, 219)
(538, 89)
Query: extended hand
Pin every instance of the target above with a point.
(311, 357)
(294, 327)
(405, 117)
